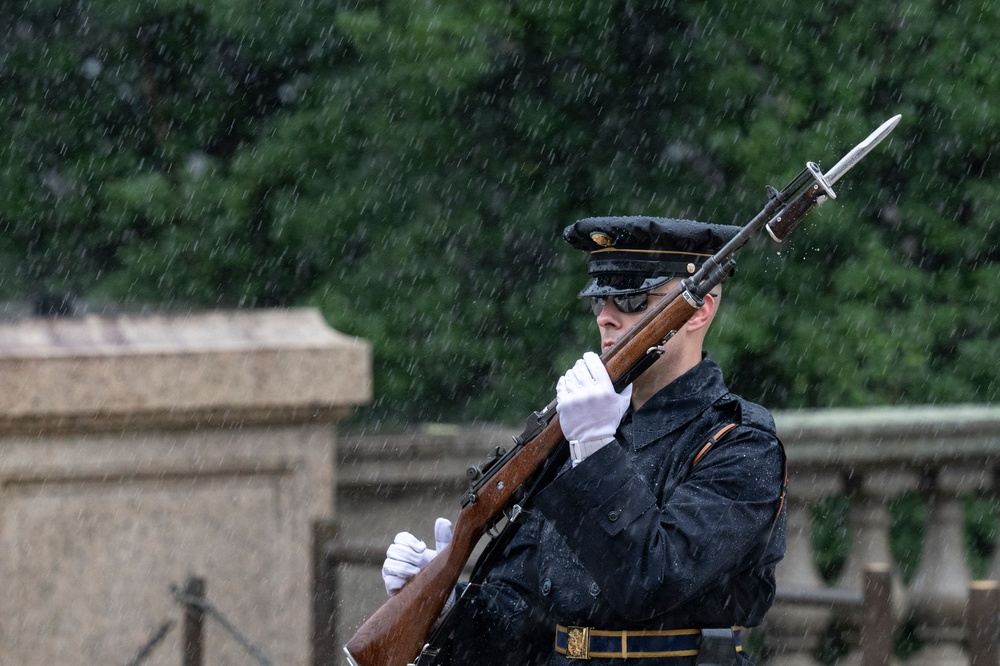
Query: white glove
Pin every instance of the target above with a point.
(590, 409)
(408, 555)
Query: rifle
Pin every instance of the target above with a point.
(396, 632)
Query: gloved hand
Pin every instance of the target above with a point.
(590, 409)
(407, 555)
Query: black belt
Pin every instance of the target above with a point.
(587, 643)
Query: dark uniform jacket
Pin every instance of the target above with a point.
(636, 537)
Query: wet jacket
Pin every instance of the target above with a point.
(637, 537)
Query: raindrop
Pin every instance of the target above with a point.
(91, 68)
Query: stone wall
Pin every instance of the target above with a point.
(137, 451)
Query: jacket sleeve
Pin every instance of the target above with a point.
(500, 624)
(714, 524)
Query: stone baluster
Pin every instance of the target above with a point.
(993, 571)
(870, 522)
(938, 594)
(878, 626)
(983, 623)
(792, 630)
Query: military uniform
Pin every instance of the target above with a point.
(637, 537)
(673, 528)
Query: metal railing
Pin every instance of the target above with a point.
(195, 607)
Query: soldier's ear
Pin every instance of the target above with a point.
(704, 315)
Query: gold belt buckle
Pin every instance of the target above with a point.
(578, 642)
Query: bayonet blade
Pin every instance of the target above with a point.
(848, 161)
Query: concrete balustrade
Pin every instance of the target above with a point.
(945, 454)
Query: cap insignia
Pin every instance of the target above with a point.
(602, 239)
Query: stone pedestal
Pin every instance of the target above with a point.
(138, 451)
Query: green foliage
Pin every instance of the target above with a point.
(909, 515)
(831, 536)
(833, 644)
(980, 533)
(408, 168)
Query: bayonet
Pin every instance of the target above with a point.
(794, 201)
(859, 151)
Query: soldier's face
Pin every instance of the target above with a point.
(612, 321)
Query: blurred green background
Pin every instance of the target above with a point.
(408, 167)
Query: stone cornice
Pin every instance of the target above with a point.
(217, 369)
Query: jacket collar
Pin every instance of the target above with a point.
(677, 403)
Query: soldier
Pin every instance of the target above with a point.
(657, 541)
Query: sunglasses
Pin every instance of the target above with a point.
(626, 304)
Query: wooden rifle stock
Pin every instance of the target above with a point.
(395, 634)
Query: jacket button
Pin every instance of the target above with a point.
(613, 516)
(595, 589)
(546, 587)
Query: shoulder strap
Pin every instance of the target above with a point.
(784, 478)
(719, 434)
(712, 441)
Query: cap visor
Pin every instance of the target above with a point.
(603, 286)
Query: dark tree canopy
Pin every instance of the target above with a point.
(408, 168)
